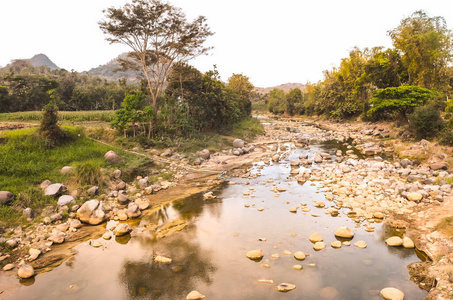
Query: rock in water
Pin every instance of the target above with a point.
(122, 229)
(195, 295)
(390, 293)
(26, 271)
(6, 197)
(285, 287)
(34, 253)
(360, 244)
(112, 157)
(299, 255)
(163, 259)
(92, 212)
(319, 246)
(238, 143)
(394, 241)
(408, 243)
(344, 232)
(255, 254)
(316, 237)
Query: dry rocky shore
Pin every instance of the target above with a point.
(367, 179)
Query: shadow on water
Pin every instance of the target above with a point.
(191, 265)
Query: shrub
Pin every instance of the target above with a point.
(446, 136)
(426, 121)
(88, 173)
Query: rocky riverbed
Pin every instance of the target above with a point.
(362, 179)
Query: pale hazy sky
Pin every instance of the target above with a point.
(272, 42)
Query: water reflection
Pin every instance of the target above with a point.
(150, 280)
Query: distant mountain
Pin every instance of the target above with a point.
(42, 60)
(285, 87)
(107, 71)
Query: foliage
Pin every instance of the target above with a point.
(425, 44)
(26, 89)
(446, 136)
(70, 116)
(276, 102)
(158, 35)
(401, 99)
(426, 121)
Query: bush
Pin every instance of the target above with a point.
(88, 173)
(446, 136)
(426, 121)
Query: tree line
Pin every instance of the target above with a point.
(26, 88)
(381, 83)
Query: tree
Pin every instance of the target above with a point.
(159, 35)
(385, 68)
(401, 99)
(425, 44)
(276, 102)
(242, 86)
(49, 129)
(294, 102)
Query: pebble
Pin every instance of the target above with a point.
(408, 243)
(319, 246)
(360, 244)
(25, 271)
(394, 241)
(8, 267)
(297, 267)
(336, 244)
(315, 237)
(266, 281)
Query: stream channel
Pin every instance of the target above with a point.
(209, 254)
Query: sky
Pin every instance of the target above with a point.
(272, 42)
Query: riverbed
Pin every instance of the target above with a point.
(209, 254)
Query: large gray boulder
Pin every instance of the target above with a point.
(66, 200)
(54, 190)
(112, 157)
(6, 197)
(92, 212)
(143, 183)
(122, 229)
(238, 143)
(66, 170)
(94, 190)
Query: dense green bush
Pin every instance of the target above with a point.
(426, 121)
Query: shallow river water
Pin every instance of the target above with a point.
(209, 255)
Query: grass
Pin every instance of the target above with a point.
(25, 162)
(446, 226)
(71, 116)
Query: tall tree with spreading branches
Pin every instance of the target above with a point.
(159, 35)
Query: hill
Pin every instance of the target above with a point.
(42, 60)
(108, 70)
(285, 87)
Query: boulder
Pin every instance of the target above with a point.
(414, 196)
(28, 213)
(112, 157)
(238, 143)
(439, 166)
(390, 293)
(394, 241)
(25, 271)
(167, 153)
(344, 232)
(299, 255)
(75, 224)
(405, 163)
(65, 200)
(45, 184)
(360, 244)
(54, 190)
(57, 237)
(121, 185)
(66, 170)
(408, 243)
(133, 211)
(123, 197)
(315, 237)
(122, 229)
(93, 191)
(34, 253)
(92, 212)
(6, 197)
(117, 173)
(204, 154)
(255, 254)
(143, 183)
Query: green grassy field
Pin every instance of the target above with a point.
(25, 162)
(71, 116)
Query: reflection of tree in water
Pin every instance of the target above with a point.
(150, 280)
(193, 207)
